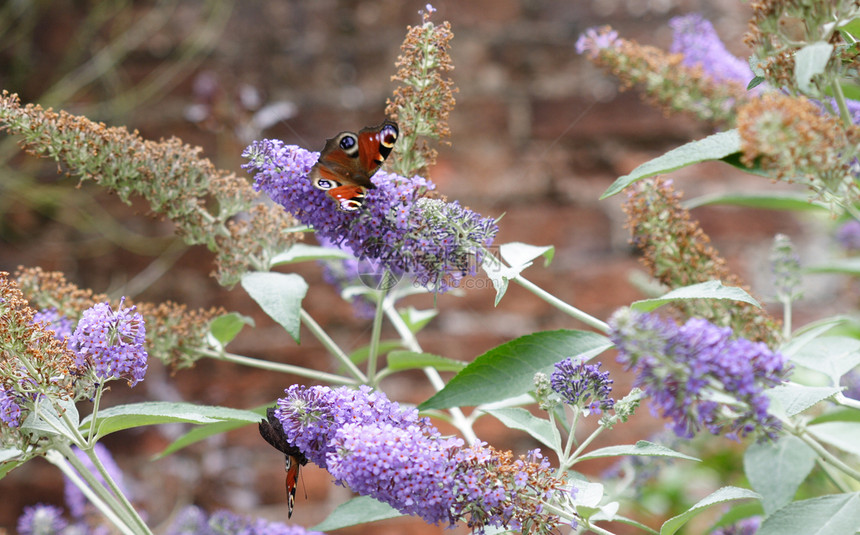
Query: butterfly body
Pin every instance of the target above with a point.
(272, 431)
(348, 160)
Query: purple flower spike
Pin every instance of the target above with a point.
(41, 519)
(696, 39)
(10, 409)
(111, 343)
(52, 320)
(582, 385)
(436, 242)
(379, 449)
(689, 371)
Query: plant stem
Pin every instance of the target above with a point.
(279, 367)
(333, 348)
(96, 401)
(824, 453)
(459, 419)
(570, 310)
(115, 490)
(56, 458)
(377, 329)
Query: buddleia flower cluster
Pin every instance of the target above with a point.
(582, 385)
(670, 80)
(40, 366)
(380, 449)
(34, 364)
(208, 206)
(677, 252)
(110, 343)
(435, 242)
(176, 335)
(425, 95)
(698, 375)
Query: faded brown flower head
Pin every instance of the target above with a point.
(793, 138)
(173, 333)
(779, 28)
(33, 363)
(178, 184)
(425, 97)
(677, 252)
(663, 78)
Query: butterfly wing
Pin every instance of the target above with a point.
(375, 144)
(292, 466)
(272, 431)
(348, 160)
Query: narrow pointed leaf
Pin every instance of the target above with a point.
(508, 370)
(722, 495)
(703, 290)
(713, 147)
(783, 200)
(642, 447)
(357, 511)
(204, 431)
(302, 252)
(131, 415)
(406, 360)
(794, 399)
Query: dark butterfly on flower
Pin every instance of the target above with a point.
(272, 430)
(348, 161)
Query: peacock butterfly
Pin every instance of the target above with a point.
(348, 161)
(272, 431)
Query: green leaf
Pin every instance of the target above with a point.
(202, 432)
(836, 514)
(541, 430)
(362, 353)
(781, 201)
(642, 447)
(417, 319)
(834, 356)
(703, 290)
(47, 421)
(523, 254)
(735, 160)
(161, 412)
(794, 399)
(508, 370)
(280, 296)
(848, 266)
(10, 459)
(722, 495)
(810, 61)
(225, 327)
(776, 469)
(851, 91)
(407, 360)
(755, 82)
(843, 435)
(500, 275)
(302, 252)
(356, 511)
(852, 27)
(713, 147)
(630, 522)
